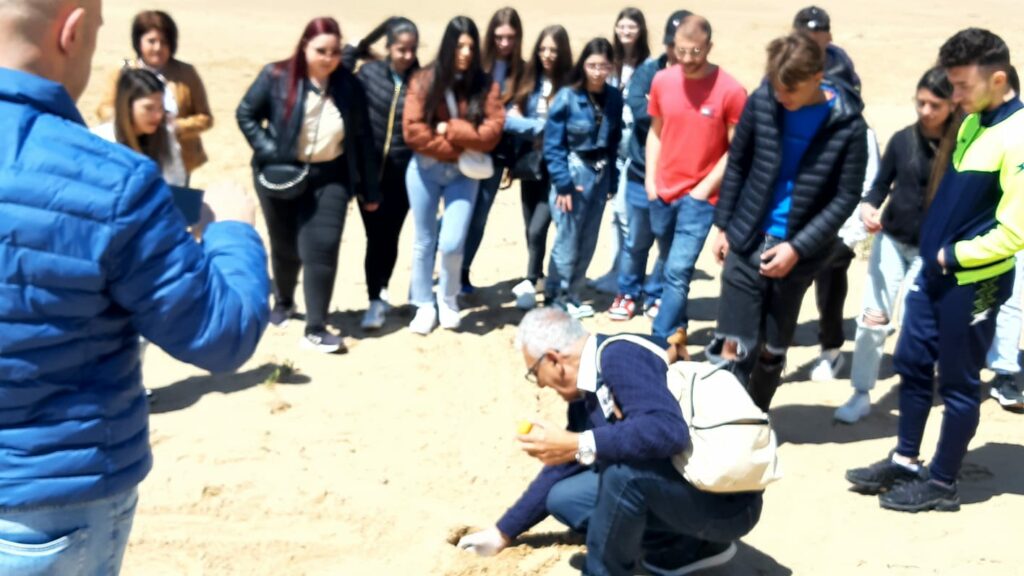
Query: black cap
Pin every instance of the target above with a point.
(672, 25)
(812, 19)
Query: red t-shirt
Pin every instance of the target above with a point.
(695, 120)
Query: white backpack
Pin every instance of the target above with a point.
(732, 445)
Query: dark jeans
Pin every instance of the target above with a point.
(383, 229)
(481, 210)
(649, 506)
(537, 218)
(831, 286)
(633, 277)
(953, 325)
(761, 312)
(305, 233)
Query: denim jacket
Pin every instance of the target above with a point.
(528, 126)
(571, 129)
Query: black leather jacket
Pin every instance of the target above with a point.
(260, 116)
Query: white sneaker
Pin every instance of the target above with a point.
(579, 311)
(526, 295)
(385, 297)
(857, 407)
(448, 313)
(828, 366)
(374, 317)
(424, 321)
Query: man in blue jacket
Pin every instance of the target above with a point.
(93, 253)
(610, 473)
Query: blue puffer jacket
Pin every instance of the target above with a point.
(92, 254)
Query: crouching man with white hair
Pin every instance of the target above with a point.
(609, 474)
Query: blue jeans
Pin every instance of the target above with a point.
(685, 224)
(641, 237)
(576, 232)
(572, 500)
(1005, 351)
(482, 208)
(645, 502)
(86, 539)
(428, 181)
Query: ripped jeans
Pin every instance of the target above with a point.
(761, 314)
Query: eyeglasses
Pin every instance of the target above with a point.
(597, 67)
(627, 27)
(531, 374)
(695, 52)
(505, 37)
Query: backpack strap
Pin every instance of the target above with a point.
(605, 398)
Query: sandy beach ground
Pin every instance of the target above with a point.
(363, 464)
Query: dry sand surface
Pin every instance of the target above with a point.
(365, 463)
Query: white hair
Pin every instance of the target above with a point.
(547, 329)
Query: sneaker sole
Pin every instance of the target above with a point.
(867, 488)
(1008, 403)
(323, 348)
(939, 506)
(709, 562)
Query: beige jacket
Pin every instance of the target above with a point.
(194, 116)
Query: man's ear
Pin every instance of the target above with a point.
(999, 79)
(72, 31)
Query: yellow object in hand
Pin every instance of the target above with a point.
(525, 427)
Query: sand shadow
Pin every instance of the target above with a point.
(991, 470)
(348, 322)
(187, 392)
(749, 561)
(807, 333)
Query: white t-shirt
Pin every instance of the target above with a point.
(173, 168)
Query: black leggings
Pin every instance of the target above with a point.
(537, 218)
(383, 228)
(831, 286)
(305, 233)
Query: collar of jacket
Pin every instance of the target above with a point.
(38, 92)
(990, 118)
(848, 104)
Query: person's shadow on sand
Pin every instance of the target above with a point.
(187, 392)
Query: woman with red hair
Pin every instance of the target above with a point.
(306, 120)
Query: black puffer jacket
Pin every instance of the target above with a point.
(276, 141)
(380, 93)
(827, 187)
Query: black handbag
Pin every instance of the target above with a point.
(287, 180)
(282, 181)
(529, 165)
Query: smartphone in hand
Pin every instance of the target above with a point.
(189, 202)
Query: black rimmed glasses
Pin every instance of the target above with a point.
(531, 374)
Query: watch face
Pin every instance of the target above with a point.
(586, 458)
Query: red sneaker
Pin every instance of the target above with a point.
(623, 308)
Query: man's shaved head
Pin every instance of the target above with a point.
(54, 39)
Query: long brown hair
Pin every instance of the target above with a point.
(133, 84)
(535, 70)
(506, 16)
(944, 155)
(642, 48)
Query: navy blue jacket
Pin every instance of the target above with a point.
(93, 253)
(637, 99)
(571, 127)
(652, 426)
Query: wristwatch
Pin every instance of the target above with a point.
(586, 451)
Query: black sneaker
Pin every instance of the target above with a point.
(921, 495)
(281, 314)
(882, 476)
(1007, 392)
(678, 563)
(323, 341)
